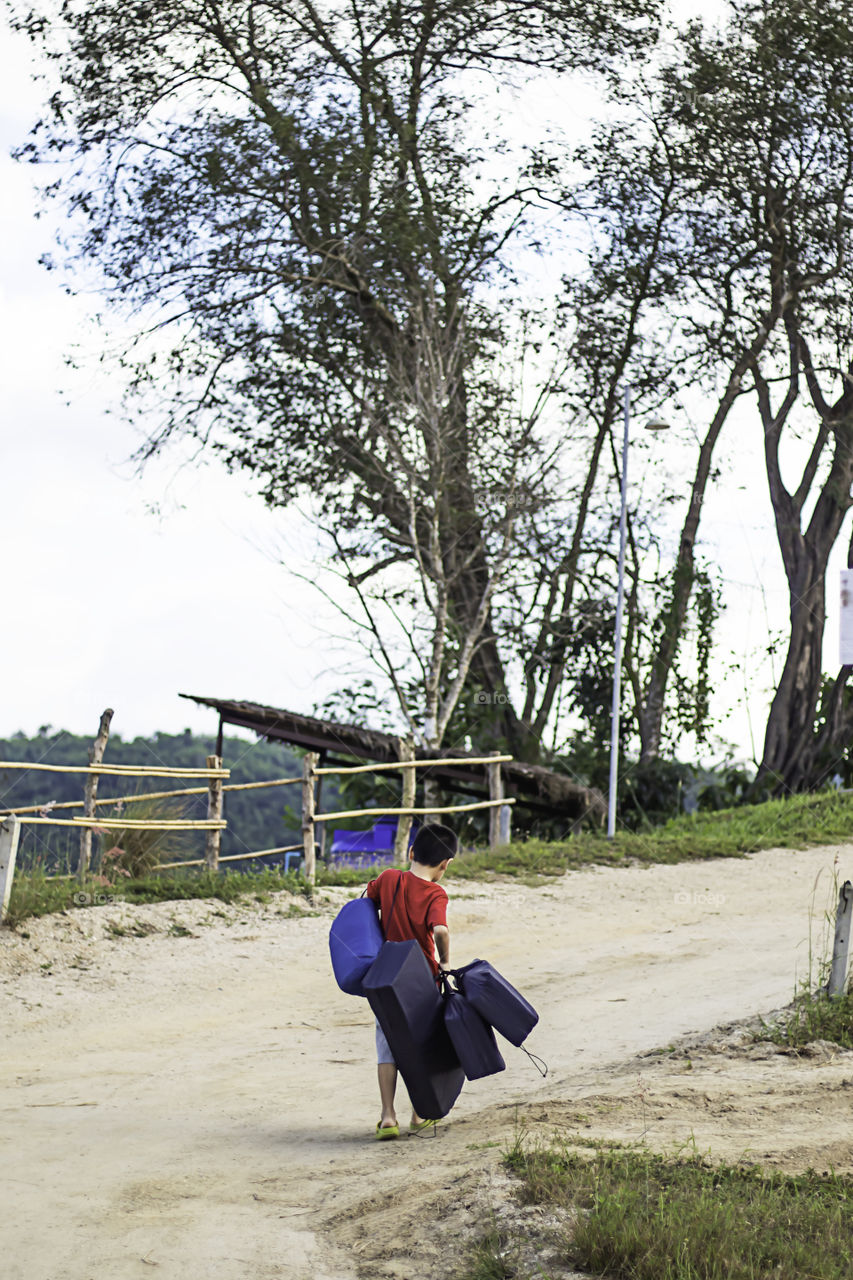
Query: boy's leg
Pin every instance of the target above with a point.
(387, 1073)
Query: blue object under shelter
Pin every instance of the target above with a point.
(375, 845)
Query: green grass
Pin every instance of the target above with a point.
(487, 1260)
(641, 1216)
(33, 894)
(813, 1016)
(796, 823)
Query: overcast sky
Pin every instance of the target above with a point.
(108, 602)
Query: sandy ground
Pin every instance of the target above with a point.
(186, 1093)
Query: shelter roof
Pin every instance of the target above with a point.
(533, 785)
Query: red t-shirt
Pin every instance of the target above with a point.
(420, 906)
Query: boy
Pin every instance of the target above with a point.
(419, 911)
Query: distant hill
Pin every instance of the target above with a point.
(261, 819)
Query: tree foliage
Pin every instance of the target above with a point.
(305, 198)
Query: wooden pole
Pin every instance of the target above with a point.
(406, 751)
(505, 812)
(113, 770)
(838, 973)
(317, 798)
(496, 793)
(10, 831)
(213, 844)
(443, 761)
(96, 755)
(309, 765)
(386, 811)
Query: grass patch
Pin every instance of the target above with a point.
(813, 1016)
(643, 1216)
(487, 1258)
(798, 822)
(795, 823)
(34, 895)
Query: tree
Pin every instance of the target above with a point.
(746, 131)
(783, 87)
(296, 195)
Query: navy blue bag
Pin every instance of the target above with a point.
(497, 1000)
(471, 1037)
(403, 994)
(355, 939)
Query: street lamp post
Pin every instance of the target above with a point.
(620, 608)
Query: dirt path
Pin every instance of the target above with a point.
(186, 1093)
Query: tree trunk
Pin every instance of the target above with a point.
(789, 737)
(791, 744)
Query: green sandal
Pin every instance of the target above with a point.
(387, 1131)
(423, 1124)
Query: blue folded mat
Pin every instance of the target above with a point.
(472, 1038)
(402, 992)
(497, 1000)
(354, 942)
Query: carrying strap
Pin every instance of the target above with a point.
(393, 902)
(386, 923)
(539, 1063)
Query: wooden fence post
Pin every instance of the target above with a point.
(10, 830)
(213, 844)
(318, 795)
(309, 764)
(838, 973)
(406, 750)
(505, 832)
(496, 792)
(96, 755)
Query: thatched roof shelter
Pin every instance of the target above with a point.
(533, 786)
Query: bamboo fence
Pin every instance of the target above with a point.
(11, 820)
(498, 804)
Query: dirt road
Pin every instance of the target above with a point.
(185, 1093)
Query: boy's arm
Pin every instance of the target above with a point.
(441, 934)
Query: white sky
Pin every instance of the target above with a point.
(109, 604)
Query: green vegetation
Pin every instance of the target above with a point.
(33, 894)
(644, 1216)
(136, 853)
(257, 819)
(813, 1016)
(487, 1258)
(797, 822)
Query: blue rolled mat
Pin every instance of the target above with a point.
(355, 939)
(402, 992)
(472, 1038)
(497, 1000)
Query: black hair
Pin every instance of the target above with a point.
(433, 843)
